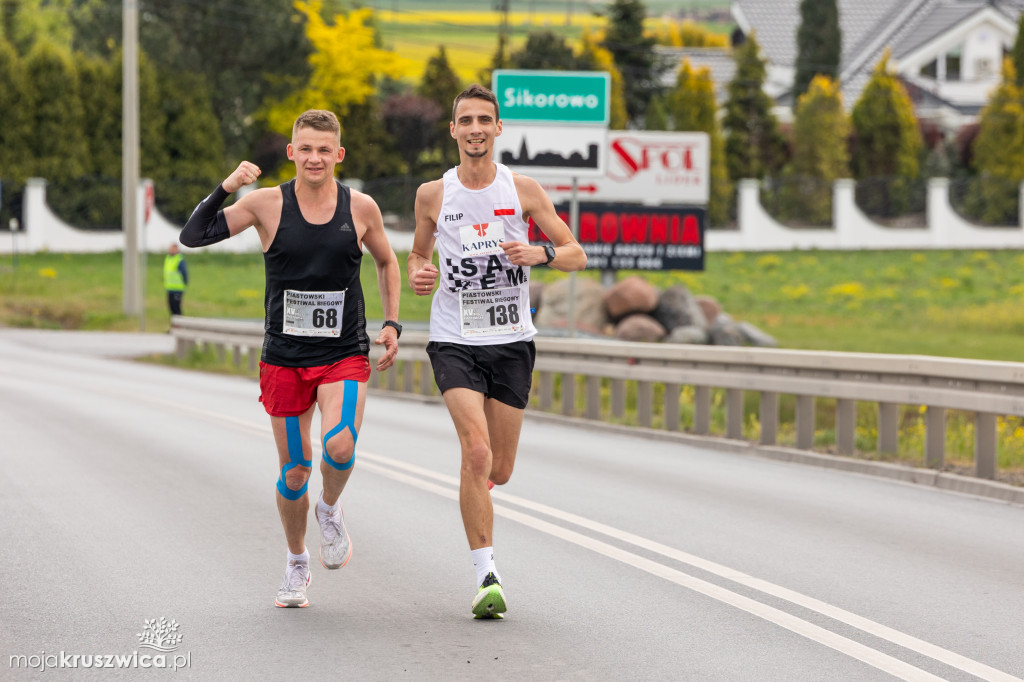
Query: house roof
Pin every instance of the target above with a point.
(933, 24)
(720, 61)
(867, 26)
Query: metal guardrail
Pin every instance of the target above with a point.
(586, 367)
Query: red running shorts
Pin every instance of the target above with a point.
(290, 391)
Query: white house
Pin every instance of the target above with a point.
(948, 52)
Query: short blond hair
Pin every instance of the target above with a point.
(318, 119)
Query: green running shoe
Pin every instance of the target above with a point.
(490, 599)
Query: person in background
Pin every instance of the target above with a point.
(175, 278)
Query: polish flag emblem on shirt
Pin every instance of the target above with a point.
(503, 209)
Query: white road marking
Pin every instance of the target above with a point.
(380, 464)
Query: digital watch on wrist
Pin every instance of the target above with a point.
(550, 252)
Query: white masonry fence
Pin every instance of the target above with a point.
(756, 230)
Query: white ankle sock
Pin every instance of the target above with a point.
(299, 558)
(483, 562)
(323, 507)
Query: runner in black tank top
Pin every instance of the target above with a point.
(316, 350)
(307, 258)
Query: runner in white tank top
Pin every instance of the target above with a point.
(481, 330)
(482, 297)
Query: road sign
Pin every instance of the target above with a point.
(563, 97)
(644, 167)
(573, 151)
(631, 237)
(150, 200)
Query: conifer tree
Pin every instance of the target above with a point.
(887, 143)
(692, 107)
(999, 153)
(441, 85)
(598, 58)
(1018, 52)
(194, 149)
(633, 53)
(754, 146)
(818, 43)
(16, 130)
(545, 50)
(57, 146)
(656, 118)
(820, 153)
(15, 133)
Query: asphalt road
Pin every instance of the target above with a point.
(131, 492)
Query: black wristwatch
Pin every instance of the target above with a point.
(397, 327)
(550, 252)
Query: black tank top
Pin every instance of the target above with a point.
(311, 264)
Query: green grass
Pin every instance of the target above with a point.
(945, 303)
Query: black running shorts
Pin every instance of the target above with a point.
(501, 371)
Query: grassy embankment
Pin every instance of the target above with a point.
(946, 303)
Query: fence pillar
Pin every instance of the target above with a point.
(568, 394)
(805, 422)
(985, 445)
(644, 403)
(593, 397)
(734, 413)
(935, 437)
(846, 426)
(182, 347)
(618, 398)
(426, 378)
(547, 391)
(888, 427)
(672, 406)
(769, 416)
(702, 410)
(408, 376)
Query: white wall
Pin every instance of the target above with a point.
(757, 231)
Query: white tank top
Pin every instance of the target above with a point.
(481, 298)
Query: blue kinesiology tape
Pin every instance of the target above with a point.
(295, 459)
(348, 421)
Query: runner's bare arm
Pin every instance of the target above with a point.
(367, 215)
(420, 267)
(569, 255)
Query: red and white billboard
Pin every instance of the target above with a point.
(649, 167)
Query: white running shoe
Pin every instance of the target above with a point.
(335, 545)
(293, 590)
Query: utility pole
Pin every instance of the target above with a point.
(502, 6)
(133, 305)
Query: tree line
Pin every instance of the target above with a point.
(220, 81)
